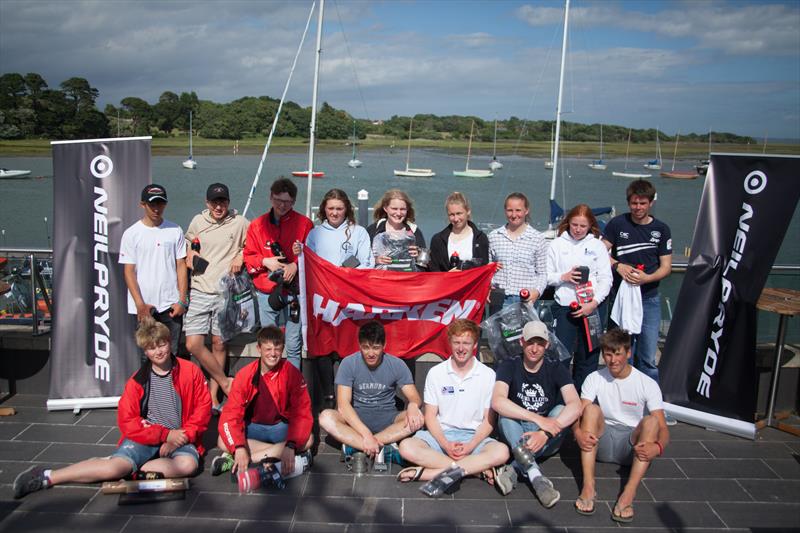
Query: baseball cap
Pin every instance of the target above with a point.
(216, 191)
(154, 192)
(535, 328)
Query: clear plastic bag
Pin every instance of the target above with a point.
(396, 247)
(239, 310)
(504, 330)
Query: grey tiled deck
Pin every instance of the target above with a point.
(705, 481)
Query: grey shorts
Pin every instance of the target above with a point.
(202, 316)
(377, 421)
(615, 445)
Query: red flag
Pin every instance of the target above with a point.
(414, 307)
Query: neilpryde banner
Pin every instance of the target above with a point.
(708, 363)
(96, 190)
(414, 307)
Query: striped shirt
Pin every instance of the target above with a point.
(163, 404)
(524, 260)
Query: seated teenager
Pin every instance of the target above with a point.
(267, 415)
(459, 420)
(535, 400)
(366, 418)
(626, 426)
(162, 414)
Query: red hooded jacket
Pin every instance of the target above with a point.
(289, 392)
(263, 231)
(190, 384)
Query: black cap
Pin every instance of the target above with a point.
(216, 191)
(154, 192)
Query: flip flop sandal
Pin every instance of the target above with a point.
(616, 514)
(585, 502)
(417, 470)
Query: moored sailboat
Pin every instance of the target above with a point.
(413, 172)
(190, 163)
(599, 164)
(354, 161)
(678, 174)
(655, 164)
(472, 173)
(625, 173)
(495, 164)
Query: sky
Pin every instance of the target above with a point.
(686, 66)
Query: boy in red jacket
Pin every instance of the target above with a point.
(162, 415)
(268, 413)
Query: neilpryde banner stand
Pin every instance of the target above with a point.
(96, 189)
(707, 368)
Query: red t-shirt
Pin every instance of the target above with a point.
(264, 409)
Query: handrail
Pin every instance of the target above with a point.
(26, 251)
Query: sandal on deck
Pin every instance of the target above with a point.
(616, 514)
(402, 476)
(585, 502)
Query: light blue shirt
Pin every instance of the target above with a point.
(337, 244)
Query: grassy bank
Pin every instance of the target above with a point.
(178, 146)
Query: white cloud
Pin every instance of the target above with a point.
(472, 40)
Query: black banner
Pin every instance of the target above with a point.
(708, 362)
(96, 190)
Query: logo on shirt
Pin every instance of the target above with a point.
(632, 404)
(532, 396)
(655, 234)
(623, 235)
(448, 389)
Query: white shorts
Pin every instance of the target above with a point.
(202, 316)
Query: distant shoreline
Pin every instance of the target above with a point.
(176, 146)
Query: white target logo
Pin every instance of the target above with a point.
(101, 166)
(755, 182)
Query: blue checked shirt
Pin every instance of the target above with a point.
(524, 260)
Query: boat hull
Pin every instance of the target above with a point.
(548, 164)
(11, 174)
(415, 173)
(652, 166)
(597, 166)
(473, 173)
(495, 165)
(354, 163)
(680, 175)
(304, 174)
(190, 164)
(633, 175)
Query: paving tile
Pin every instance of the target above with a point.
(256, 506)
(456, 512)
(137, 524)
(59, 523)
(725, 468)
(785, 468)
(21, 451)
(385, 488)
(9, 430)
(10, 469)
(397, 528)
(697, 433)
(776, 435)
(794, 446)
(686, 449)
(350, 510)
(334, 484)
(772, 490)
(26, 400)
(747, 449)
(51, 433)
(250, 526)
(759, 516)
(673, 515)
(328, 463)
(310, 527)
(72, 453)
(696, 490)
(112, 436)
(43, 416)
(607, 490)
(99, 417)
(58, 500)
(107, 504)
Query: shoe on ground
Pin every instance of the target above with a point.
(391, 454)
(222, 463)
(505, 479)
(29, 481)
(670, 420)
(545, 491)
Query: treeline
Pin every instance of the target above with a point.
(30, 109)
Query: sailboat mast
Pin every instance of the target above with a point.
(354, 139)
(601, 142)
(675, 153)
(408, 152)
(313, 128)
(558, 108)
(190, 134)
(494, 144)
(628, 149)
(469, 146)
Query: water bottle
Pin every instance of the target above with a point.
(262, 475)
(455, 261)
(196, 245)
(524, 295)
(276, 249)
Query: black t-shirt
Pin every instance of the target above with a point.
(638, 244)
(537, 392)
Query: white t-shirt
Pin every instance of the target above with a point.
(461, 403)
(462, 246)
(623, 401)
(154, 251)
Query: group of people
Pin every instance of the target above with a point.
(173, 284)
